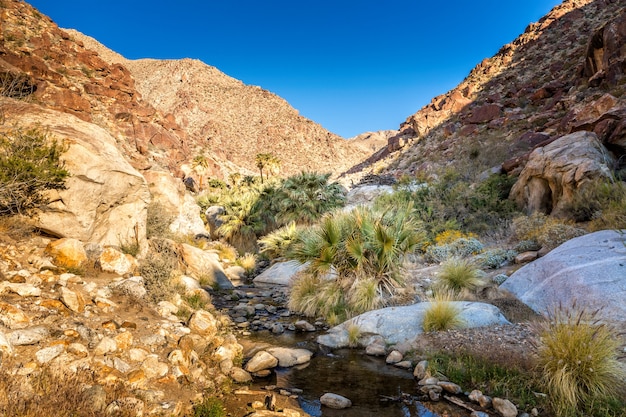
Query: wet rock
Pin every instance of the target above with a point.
(335, 401)
(290, 357)
(304, 326)
(277, 328)
(504, 407)
(240, 375)
(393, 357)
(261, 361)
(376, 349)
(420, 370)
(478, 397)
(403, 364)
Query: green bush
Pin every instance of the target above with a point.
(578, 359)
(30, 164)
(459, 248)
(210, 407)
(278, 243)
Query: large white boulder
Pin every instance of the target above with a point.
(205, 265)
(106, 198)
(281, 273)
(397, 325)
(589, 269)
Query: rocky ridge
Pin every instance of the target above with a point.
(231, 122)
(563, 74)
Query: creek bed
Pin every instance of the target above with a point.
(366, 380)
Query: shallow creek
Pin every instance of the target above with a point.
(375, 388)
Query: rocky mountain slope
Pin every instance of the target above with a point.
(232, 122)
(564, 73)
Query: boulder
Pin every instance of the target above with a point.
(102, 188)
(113, 260)
(202, 264)
(290, 357)
(365, 195)
(261, 361)
(554, 172)
(281, 273)
(67, 252)
(589, 269)
(403, 324)
(212, 215)
(170, 193)
(203, 323)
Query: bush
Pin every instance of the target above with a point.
(548, 232)
(577, 357)
(30, 164)
(495, 258)
(210, 407)
(158, 221)
(157, 270)
(278, 243)
(247, 262)
(303, 296)
(457, 275)
(459, 248)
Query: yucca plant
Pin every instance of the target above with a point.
(577, 358)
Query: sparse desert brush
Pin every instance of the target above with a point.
(247, 262)
(442, 314)
(16, 227)
(451, 236)
(577, 358)
(549, 232)
(459, 248)
(209, 407)
(158, 221)
(158, 269)
(457, 275)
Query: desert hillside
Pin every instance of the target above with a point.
(231, 121)
(564, 73)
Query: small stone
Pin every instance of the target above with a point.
(420, 370)
(138, 355)
(335, 401)
(113, 260)
(45, 355)
(304, 326)
(375, 349)
(153, 368)
(5, 345)
(78, 349)
(12, 316)
(106, 345)
(28, 336)
(73, 300)
(450, 387)
(434, 395)
(504, 407)
(526, 257)
(203, 323)
(239, 375)
(110, 325)
(431, 380)
(23, 290)
(479, 414)
(166, 309)
(67, 252)
(124, 341)
(404, 364)
(288, 357)
(393, 357)
(278, 328)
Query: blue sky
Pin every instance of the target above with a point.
(352, 66)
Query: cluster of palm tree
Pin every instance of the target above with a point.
(267, 162)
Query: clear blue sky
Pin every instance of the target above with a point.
(352, 66)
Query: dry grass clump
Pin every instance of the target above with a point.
(442, 314)
(247, 262)
(601, 203)
(354, 334)
(304, 294)
(577, 358)
(16, 227)
(224, 251)
(457, 275)
(158, 221)
(46, 393)
(158, 268)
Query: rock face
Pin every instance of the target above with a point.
(103, 188)
(398, 325)
(554, 172)
(589, 269)
(202, 264)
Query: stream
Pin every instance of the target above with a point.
(375, 388)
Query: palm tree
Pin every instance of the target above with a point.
(268, 162)
(239, 222)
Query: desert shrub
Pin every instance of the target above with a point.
(16, 85)
(158, 268)
(499, 279)
(548, 232)
(442, 314)
(279, 242)
(247, 262)
(16, 227)
(578, 360)
(30, 164)
(451, 236)
(210, 407)
(451, 202)
(459, 248)
(158, 221)
(225, 251)
(354, 334)
(198, 300)
(495, 258)
(458, 274)
(602, 204)
(364, 296)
